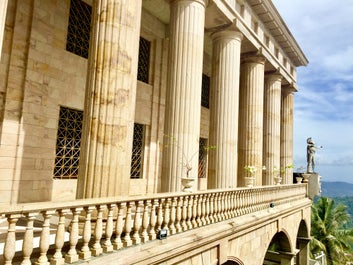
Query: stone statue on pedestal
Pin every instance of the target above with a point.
(310, 155)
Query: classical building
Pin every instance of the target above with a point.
(107, 106)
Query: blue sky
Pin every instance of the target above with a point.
(324, 103)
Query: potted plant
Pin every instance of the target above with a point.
(278, 172)
(250, 176)
(186, 181)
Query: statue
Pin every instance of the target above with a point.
(310, 155)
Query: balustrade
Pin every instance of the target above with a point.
(126, 222)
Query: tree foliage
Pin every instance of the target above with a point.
(328, 231)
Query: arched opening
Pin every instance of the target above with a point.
(302, 244)
(233, 261)
(279, 250)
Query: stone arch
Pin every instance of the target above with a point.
(280, 243)
(302, 243)
(303, 230)
(233, 261)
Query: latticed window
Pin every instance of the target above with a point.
(202, 158)
(144, 60)
(79, 28)
(205, 96)
(68, 143)
(137, 151)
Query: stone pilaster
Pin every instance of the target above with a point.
(182, 118)
(224, 109)
(287, 105)
(251, 107)
(272, 127)
(110, 99)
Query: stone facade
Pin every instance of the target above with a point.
(244, 48)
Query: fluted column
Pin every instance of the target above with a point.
(3, 10)
(251, 105)
(287, 133)
(224, 109)
(110, 99)
(182, 117)
(272, 127)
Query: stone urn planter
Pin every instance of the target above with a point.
(299, 179)
(278, 180)
(306, 177)
(249, 181)
(188, 184)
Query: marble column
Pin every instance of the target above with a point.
(272, 127)
(110, 99)
(224, 106)
(3, 10)
(183, 97)
(251, 105)
(287, 105)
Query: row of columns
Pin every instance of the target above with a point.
(110, 103)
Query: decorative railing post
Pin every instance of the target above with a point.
(194, 211)
(44, 238)
(136, 239)
(107, 244)
(189, 210)
(166, 209)
(117, 244)
(98, 231)
(179, 210)
(10, 243)
(208, 208)
(184, 213)
(174, 205)
(145, 221)
(27, 246)
(153, 220)
(203, 209)
(212, 208)
(72, 255)
(58, 258)
(85, 252)
(127, 228)
(199, 210)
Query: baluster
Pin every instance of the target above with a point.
(231, 204)
(57, 258)
(194, 211)
(137, 223)
(117, 244)
(226, 205)
(72, 255)
(127, 228)
(174, 205)
(145, 221)
(184, 213)
(27, 246)
(159, 215)
(166, 209)
(203, 209)
(189, 212)
(179, 209)
(216, 207)
(85, 252)
(212, 208)
(208, 207)
(222, 206)
(10, 243)
(107, 244)
(199, 210)
(44, 238)
(98, 231)
(241, 202)
(153, 220)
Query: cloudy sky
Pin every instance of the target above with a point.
(324, 103)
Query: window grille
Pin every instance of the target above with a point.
(79, 28)
(144, 60)
(68, 143)
(202, 158)
(137, 151)
(205, 96)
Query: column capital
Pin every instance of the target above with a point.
(273, 76)
(227, 34)
(253, 58)
(289, 89)
(202, 2)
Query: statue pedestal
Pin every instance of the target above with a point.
(314, 184)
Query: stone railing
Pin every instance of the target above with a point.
(94, 226)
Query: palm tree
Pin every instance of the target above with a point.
(328, 233)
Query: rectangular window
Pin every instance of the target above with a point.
(144, 60)
(78, 31)
(202, 158)
(205, 95)
(137, 151)
(68, 143)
